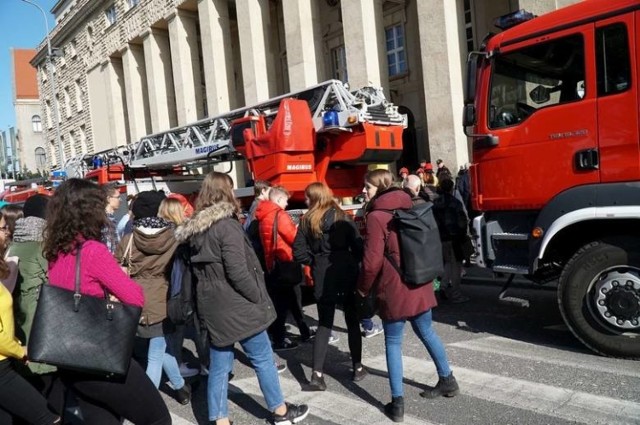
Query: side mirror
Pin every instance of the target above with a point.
(469, 115)
(540, 94)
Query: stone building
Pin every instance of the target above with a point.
(133, 67)
(29, 135)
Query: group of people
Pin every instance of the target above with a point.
(245, 279)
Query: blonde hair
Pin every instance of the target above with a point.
(216, 187)
(320, 201)
(380, 178)
(171, 210)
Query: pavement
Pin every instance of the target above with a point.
(514, 364)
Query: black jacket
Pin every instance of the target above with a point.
(333, 258)
(231, 297)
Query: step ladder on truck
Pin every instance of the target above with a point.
(323, 133)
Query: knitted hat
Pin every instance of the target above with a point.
(36, 206)
(147, 204)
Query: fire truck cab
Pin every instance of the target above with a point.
(551, 109)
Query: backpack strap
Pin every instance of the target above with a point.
(387, 254)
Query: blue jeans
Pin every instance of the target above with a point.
(158, 360)
(258, 350)
(393, 333)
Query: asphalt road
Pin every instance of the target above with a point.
(514, 364)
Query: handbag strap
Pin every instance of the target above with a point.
(76, 294)
(127, 252)
(275, 239)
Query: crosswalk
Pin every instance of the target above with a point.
(492, 385)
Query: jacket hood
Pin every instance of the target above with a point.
(392, 199)
(266, 208)
(153, 241)
(204, 219)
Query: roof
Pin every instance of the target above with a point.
(567, 17)
(25, 81)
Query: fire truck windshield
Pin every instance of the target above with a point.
(534, 77)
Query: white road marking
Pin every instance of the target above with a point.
(326, 405)
(540, 398)
(179, 420)
(548, 354)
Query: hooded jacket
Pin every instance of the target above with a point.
(266, 215)
(231, 296)
(334, 258)
(32, 267)
(396, 299)
(151, 258)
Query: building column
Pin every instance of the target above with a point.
(135, 82)
(162, 98)
(256, 68)
(364, 38)
(186, 67)
(117, 110)
(217, 56)
(440, 45)
(300, 24)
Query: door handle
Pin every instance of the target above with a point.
(587, 159)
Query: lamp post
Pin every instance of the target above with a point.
(52, 76)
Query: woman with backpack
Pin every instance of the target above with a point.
(329, 241)
(398, 302)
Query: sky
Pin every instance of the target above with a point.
(21, 26)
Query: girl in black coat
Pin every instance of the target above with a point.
(330, 243)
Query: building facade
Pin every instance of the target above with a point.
(134, 67)
(29, 135)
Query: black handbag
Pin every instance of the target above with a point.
(284, 273)
(367, 307)
(81, 332)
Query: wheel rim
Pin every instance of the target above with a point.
(615, 298)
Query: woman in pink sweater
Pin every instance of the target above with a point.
(75, 218)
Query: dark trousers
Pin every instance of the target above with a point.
(286, 299)
(106, 401)
(326, 315)
(20, 399)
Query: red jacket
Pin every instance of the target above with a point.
(266, 214)
(396, 299)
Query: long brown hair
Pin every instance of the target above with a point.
(76, 209)
(320, 201)
(380, 178)
(216, 187)
(11, 214)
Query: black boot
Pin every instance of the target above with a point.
(447, 387)
(183, 395)
(317, 383)
(395, 409)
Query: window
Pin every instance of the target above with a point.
(67, 102)
(49, 119)
(83, 139)
(73, 48)
(41, 158)
(612, 55)
(132, 3)
(72, 145)
(396, 57)
(78, 95)
(36, 123)
(535, 77)
(468, 25)
(110, 14)
(339, 63)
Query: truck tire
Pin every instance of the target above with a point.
(599, 297)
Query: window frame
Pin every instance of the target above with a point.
(36, 123)
(599, 58)
(109, 16)
(395, 51)
(338, 55)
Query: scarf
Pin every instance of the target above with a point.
(30, 229)
(152, 223)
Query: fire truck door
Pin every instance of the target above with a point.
(616, 42)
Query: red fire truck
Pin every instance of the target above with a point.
(551, 108)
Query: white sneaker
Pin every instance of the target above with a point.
(333, 339)
(187, 372)
(375, 330)
(204, 371)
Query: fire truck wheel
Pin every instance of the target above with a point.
(599, 297)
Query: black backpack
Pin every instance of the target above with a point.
(420, 246)
(180, 301)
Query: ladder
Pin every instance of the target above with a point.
(211, 139)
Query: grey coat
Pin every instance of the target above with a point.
(231, 296)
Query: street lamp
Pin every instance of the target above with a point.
(51, 53)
